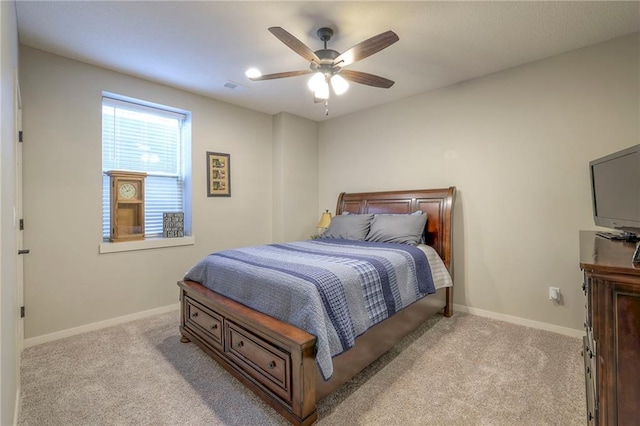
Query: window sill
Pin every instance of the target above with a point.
(147, 244)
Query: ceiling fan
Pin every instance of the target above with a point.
(328, 65)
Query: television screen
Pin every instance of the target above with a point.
(615, 188)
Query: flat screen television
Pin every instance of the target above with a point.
(615, 190)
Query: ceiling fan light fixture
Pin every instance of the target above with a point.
(323, 91)
(339, 84)
(325, 64)
(316, 82)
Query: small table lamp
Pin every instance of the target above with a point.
(325, 220)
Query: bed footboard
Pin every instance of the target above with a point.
(277, 360)
(272, 358)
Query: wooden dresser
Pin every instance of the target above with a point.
(612, 342)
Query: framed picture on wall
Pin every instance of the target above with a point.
(218, 174)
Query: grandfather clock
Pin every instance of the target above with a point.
(127, 205)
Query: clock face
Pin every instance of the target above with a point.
(127, 191)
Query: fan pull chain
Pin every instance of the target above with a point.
(326, 107)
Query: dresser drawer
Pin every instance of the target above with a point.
(204, 322)
(268, 364)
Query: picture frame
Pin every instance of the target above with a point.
(218, 174)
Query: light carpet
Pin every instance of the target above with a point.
(463, 370)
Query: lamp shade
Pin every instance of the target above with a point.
(316, 81)
(325, 220)
(323, 91)
(339, 84)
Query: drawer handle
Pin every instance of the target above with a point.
(193, 315)
(214, 327)
(240, 344)
(271, 365)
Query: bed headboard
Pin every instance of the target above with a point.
(436, 203)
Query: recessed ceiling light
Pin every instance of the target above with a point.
(253, 73)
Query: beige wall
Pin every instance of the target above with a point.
(516, 144)
(9, 341)
(67, 283)
(295, 177)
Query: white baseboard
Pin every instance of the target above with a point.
(16, 410)
(33, 341)
(520, 321)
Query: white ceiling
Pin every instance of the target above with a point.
(200, 46)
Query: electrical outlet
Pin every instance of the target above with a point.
(554, 294)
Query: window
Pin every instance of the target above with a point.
(140, 137)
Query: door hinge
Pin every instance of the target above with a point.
(19, 135)
(21, 224)
(21, 311)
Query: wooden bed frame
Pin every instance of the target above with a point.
(277, 360)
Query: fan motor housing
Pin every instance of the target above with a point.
(325, 33)
(326, 55)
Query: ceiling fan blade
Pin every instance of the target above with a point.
(365, 78)
(281, 75)
(294, 44)
(366, 48)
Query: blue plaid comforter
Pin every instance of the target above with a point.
(333, 289)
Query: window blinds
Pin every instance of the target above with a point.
(140, 138)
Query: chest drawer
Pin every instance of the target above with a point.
(205, 322)
(265, 362)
